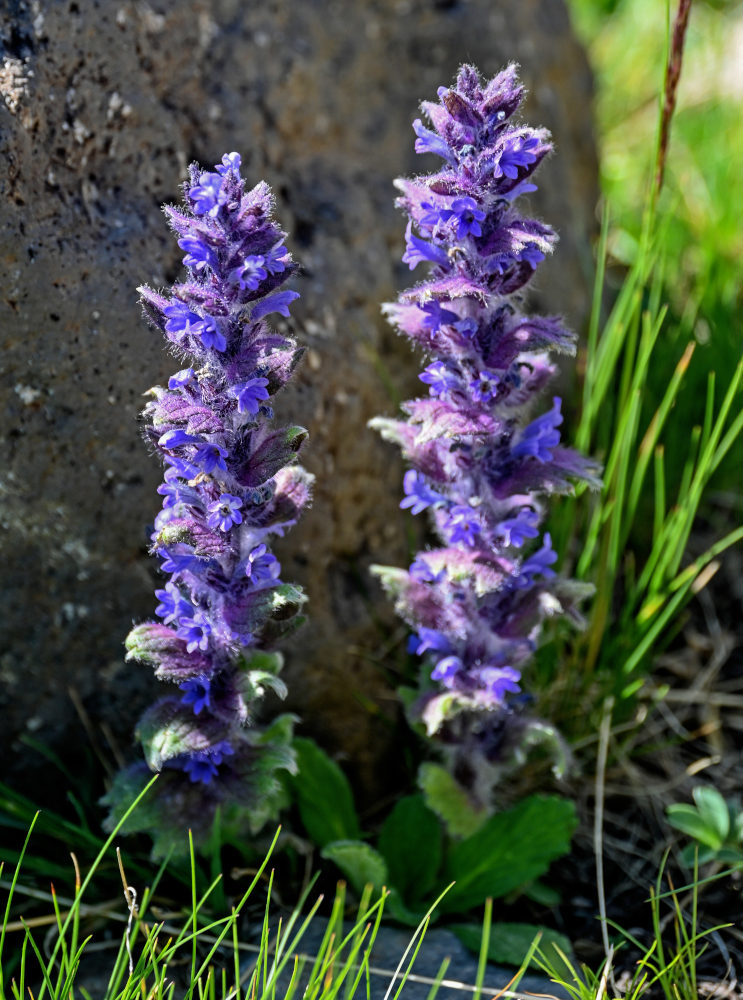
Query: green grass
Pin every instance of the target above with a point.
(200, 955)
(670, 969)
(662, 371)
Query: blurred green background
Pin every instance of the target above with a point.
(703, 189)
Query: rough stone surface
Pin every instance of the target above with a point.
(104, 104)
(439, 944)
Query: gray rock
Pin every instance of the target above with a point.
(438, 944)
(105, 103)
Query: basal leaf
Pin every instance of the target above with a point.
(449, 801)
(690, 821)
(509, 943)
(512, 848)
(410, 842)
(323, 796)
(359, 862)
(713, 809)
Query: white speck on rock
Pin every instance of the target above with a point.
(27, 393)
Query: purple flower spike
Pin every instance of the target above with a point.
(479, 463)
(230, 483)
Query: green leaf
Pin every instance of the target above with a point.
(359, 862)
(511, 849)
(449, 801)
(323, 796)
(738, 827)
(713, 809)
(286, 600)
(410, 842)
(509, 943)
(543, 894)
(693, 853)
(260, 659)
(396, 908)
(688, 819)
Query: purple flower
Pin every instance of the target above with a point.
(421, 571)
(417, 251)
(208, 196)
(516, 153)
(225, 512)
(172, 603)
(418, 494)
(230, 161)
(538, 564)
(468, 217)
(195, 629)
(210, 334)
(531, 254)
(515, 530)
(198, 254)
(467, 326)
(250, 394)
(484, 388)
(447, 669)
(197, 692)
(210, 457)
(429, 142)
(250, 273)
(180, 320)
(276, 303)
(261, 566)
(499, 681)
(462, 525)
(181, 379)
(540, 435)
(436, 316)
(439, 378)
(277, 259)
(177, 559)
(203, 765)
(177, 438)
(429, 638)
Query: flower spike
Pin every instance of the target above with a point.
(481, 448)
(231, 481)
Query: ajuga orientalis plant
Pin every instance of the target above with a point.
(483, 445)
(230, 482)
